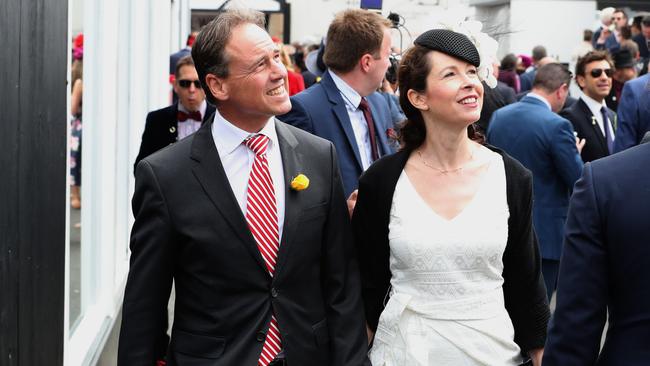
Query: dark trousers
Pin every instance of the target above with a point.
(550, 269)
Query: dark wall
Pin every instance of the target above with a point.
(33, 49)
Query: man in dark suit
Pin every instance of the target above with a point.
(533, 133)
(170, 124)
(344, 107)
(643, 41)
(605, 267)
(590, 117)
(248, 217)
(624, 71)
(633, 113)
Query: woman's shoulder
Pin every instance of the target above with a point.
(514, 169)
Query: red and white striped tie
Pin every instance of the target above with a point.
(262, 218)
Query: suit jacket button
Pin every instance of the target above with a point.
(260, 336)
(274, 292)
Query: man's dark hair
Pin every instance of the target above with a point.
(551, 76)
(352, 34)
(646, 21)
(209, 49)
(185, 61)
(619, 10)
(587, 35)
(509, 62)
(590, 57)
(539, 52)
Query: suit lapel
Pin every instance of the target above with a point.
(338, 106)
(212, 177)
(379, 128)
(172, 124)
(292, 163)
(591, 121)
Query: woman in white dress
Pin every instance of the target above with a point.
(448, 256)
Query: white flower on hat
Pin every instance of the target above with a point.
(486, 46)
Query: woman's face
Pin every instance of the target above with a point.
(453, 93)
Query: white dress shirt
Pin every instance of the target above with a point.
(190, 126)
(595, 108)
(237, 160)
(358, 120)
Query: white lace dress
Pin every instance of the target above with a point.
(446, 305)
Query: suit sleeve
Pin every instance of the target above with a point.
(577, 325)
(627, 134)
(371, 240)
(298, 116)
(523, 288)
(341, 282)
(150, 276)
(565, 154)
(146, 146)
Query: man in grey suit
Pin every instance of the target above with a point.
(248, 217)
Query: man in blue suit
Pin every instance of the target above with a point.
(533, 133)
(605, 266)
(633, 113)
(344, 107)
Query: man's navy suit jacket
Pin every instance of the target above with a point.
(633, 113)
(605, 267)
(321, 111)
(544, 143)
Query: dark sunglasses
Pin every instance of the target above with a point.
(597, 72)
(186, 83)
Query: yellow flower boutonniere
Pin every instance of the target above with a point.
(300, 182)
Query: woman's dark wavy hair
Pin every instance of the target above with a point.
(412, 74)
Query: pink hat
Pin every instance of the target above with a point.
(526, 60)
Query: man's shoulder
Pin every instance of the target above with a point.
(171, 157)
(623, 164)
(165, 112)
(314, 94)
(302, 137)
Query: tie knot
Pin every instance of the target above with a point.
(363, 105)
(257, 143)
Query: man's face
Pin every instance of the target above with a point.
(189, 94)
(380, 62)
(595, 83)
(255, 88)
(620, 20)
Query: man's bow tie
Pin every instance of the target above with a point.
(182, 116)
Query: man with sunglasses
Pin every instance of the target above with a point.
(168, 125)
(591, 118)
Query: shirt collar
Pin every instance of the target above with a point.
(539, 97)
(350, 95)
(593, 105)
(202, 108)
(229, 137)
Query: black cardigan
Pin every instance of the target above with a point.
(523, 287)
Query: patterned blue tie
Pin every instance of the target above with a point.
(608, 135)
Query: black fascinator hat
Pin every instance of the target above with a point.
(449, 42)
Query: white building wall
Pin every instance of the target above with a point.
(126, 70)
(556, 24)
(310, 19)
